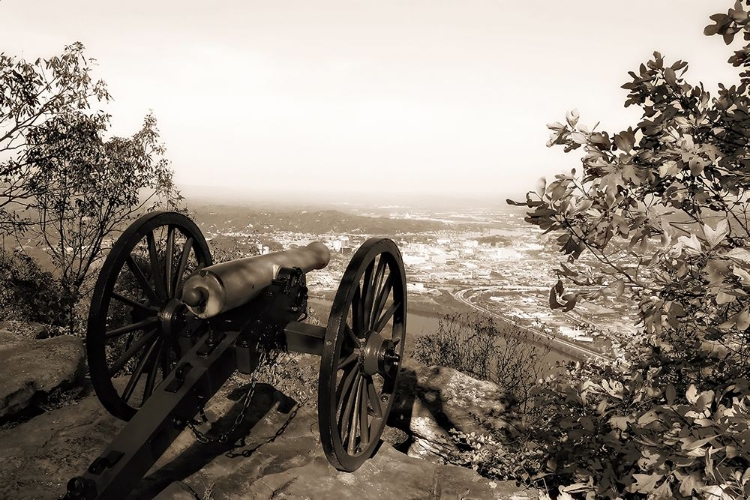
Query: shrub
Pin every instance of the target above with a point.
(487, 349)
(658, 213)
(29, 293)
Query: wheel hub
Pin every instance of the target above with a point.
(172, 317)
(379, 355)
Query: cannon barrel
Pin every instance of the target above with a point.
(223, 287)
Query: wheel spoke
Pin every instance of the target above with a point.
(348, 360)
(364, 424)
(351, 448)
(182, 267)
(169, 261)
(135, 305)
(367, 293)
(155, 268)
(130, 328)
(138, 372)
(153, 370)
(357, 322)
(377, 281)
(381, 300)
(386, 317)
(348, 396)
(142, 281)
(374, 399)
(132, 350)
(351, 336)
(343, 390)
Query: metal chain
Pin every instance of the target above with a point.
(247, 398)
(279, 432)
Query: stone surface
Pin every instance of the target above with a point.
(32, 368)
(279, 457)
(39, 456)
(294, 467)
(432, 400)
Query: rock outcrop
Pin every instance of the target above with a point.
(433, 400)
(279, 455)
(31, 368)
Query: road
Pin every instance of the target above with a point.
(564, 345)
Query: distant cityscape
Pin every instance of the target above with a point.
(490, 260)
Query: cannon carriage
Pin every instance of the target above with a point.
(167, 328)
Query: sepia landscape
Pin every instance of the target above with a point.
(323, 251)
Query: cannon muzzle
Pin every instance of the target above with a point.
(223, 287)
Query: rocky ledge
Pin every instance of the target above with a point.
(279, 456)
(32, 369)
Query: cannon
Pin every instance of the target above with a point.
(167, 328)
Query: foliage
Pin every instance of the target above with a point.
(658, 213)
(35, 295)
(62, 182)
(31, 94)
(486, 349)
(614, 434)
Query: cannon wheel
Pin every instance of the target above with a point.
(135, 317)
(364, 343)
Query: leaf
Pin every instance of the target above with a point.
(739, 254)
(741, 321)
(696, 166)
(692, 394)
(578, 138)
(668, 169)
(625, 141)
(724, 298)
(647, 418)
(645, 483)
(691, 483)
(572, 117)
(670, 76)
(663, 491)
(621, 422)
(555, 126)
(704, 400)
(715, 236)
(570, 304)
(575, 488)
(743, 275)
(691, 244)
(553, 302)
(716, 271)
(715, 493)
(541, 186)
(671, 394)
(629, 173)
(613, 387)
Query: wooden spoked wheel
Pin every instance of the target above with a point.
(363, 347)
(136, 318)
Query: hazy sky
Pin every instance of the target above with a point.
(368, 96)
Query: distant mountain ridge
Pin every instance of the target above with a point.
(298, 197)
(246, 219)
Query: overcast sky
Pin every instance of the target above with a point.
(408, 96)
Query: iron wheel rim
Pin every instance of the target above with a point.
(152, 346)
(367, 325)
